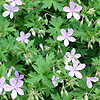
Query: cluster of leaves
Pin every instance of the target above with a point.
(36, 65)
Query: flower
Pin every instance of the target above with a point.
(18, 77)
(2, 80)
(66, 36)
(73, 11)
(75, 69)
(14, 2)
(54, 78)
(72, 56)
(98, 22)
(10, 9)
(89, 79)
(23, 37)
(14, 87)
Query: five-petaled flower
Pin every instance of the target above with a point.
(2, 81)
(75, 69)
(14, 87)
(72, 56)
(89, 79)
(18, 77)
(23, 37)
(66, 36)
(14, 2)
(10, 9)
(72, 11)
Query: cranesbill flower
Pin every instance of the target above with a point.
(90, 80)
(75, 69)
(2, 81)
(10, 9)
(18, 77)
(14, 2)
(14, 87)
(23, 37)
(72, 11)
(72, 56)
(54, 78)
(66, 36)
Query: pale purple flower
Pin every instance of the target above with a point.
(23, 37)
(18, 77)
(75, 69)
(98, 22)
(14, 87)
(72, 56)
(72, 11)
(90, 80)
(10, 9)
(66, 36)
(2, 81)
(14, 2)
(54, 78)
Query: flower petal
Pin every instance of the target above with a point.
(15, 9)
(27, 35)
(76, 16)
(78, 8)
(63, 32)
(93, 79)
(72, 5)
(72, 39)
(1, 89)
(14, 94)
(19, 83)
(21, 77)
(18, 2)
(6, 13)
(78, 74)
(89, 84)
(66, 42)
(19, 39)
(16, 74)
(6, 6)
(80, 67)
(7, 87)
(2, 80)
(70, 32)
(13, 81)
(77, 55)
(26, 41)
(73, 51)
(66, 9)
(20, 91)
(11, 15)
(69, 15)
(71, 73)
(22, 34)
(67, 67)
(60, 38)
(75, 64)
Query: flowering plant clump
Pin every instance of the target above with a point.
(46, 56)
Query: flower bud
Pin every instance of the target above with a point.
(33, 32)
(91, 11)
(66, 93)
(86, 97)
